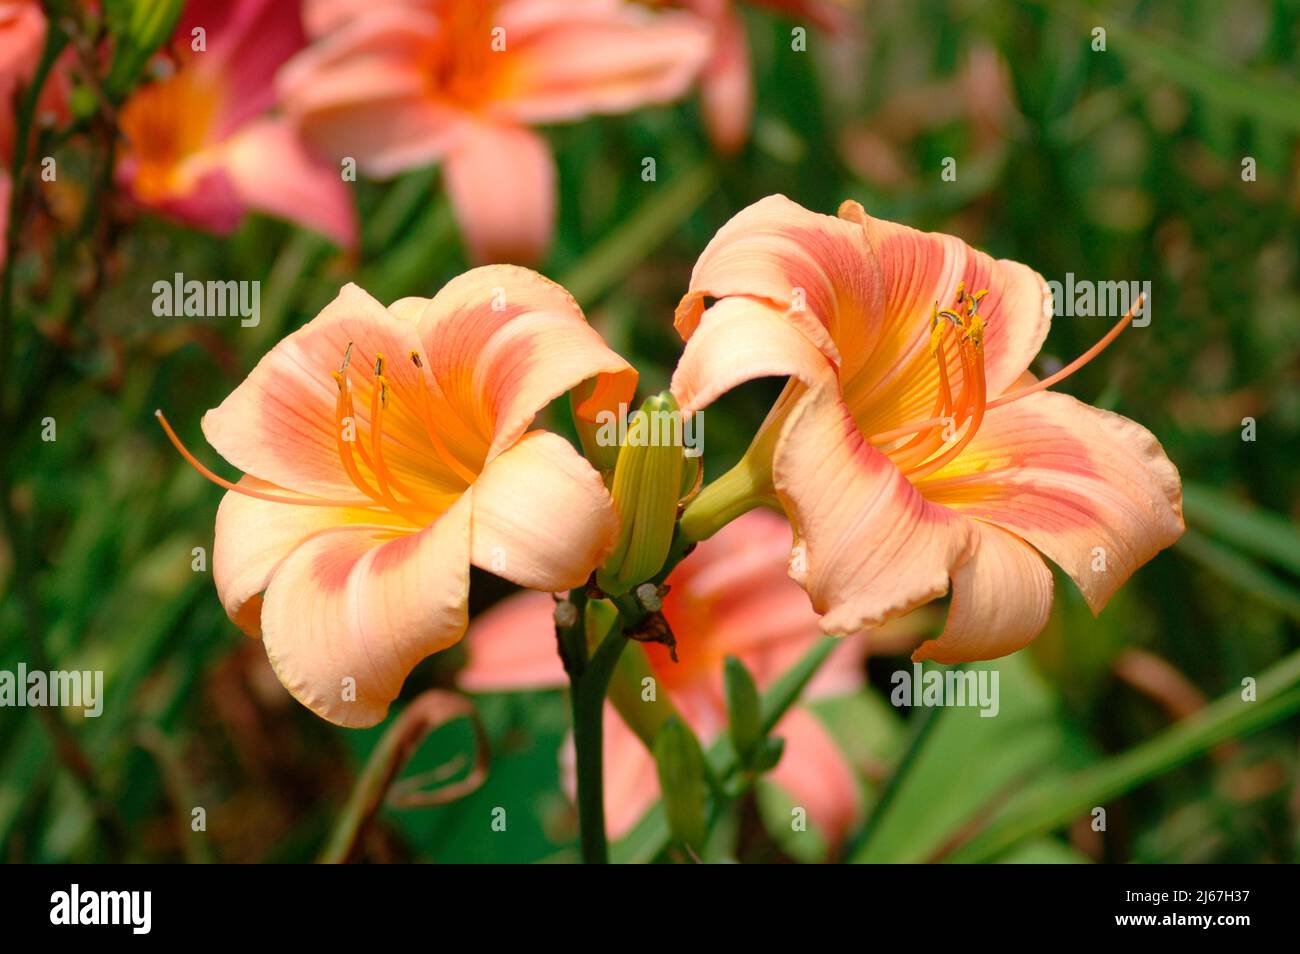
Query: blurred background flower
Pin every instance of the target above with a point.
(399, 84)
(199, 144)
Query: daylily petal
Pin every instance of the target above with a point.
(362, 91)
(726, 88)
(815, 269)
(245, 43)
(816, 775)
(737, 340)
(542, 515)
(511, 647)
(570, 60)
(862, 291)
(254, 536)
(281, 424)
(503, 342)
(356, 609)
(1091, 490)
(899, 379)
(875, 548)
(273, 172)
(1001, 598)
(501, 180)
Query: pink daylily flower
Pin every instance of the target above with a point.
(731, 596)
(22, 34)
(889, 510)
(385, 450)
(398, 84)
(201, 145)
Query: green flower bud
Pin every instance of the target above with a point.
(684, 782)
(647, 486)
(744, 711)
(139, 28)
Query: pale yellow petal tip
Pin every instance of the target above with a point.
(852, 211)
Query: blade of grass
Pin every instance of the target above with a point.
(628, 245)
(1240, 571)
(1253, 529)
(1042, 809)
(1271, 100)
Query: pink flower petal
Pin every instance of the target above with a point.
(570, 60)
(1090, 489)
(875, 547)
(542, 515)
(351, 611)
(1001, 599)
(281, 423)
(254, 536)
(503, 342)
(501, 180)
(511, 647)
(273, 172)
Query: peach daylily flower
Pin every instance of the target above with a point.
(201, 146)
(731, 596)
(398, 84)
(385, 450)
(911, 447)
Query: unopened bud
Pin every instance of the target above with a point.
(647, 486)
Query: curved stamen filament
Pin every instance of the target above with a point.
(345, 421)
(385, 477)
(248, 491)
(972, 425)
(425, 414)
(886, 437)
(1078, 362)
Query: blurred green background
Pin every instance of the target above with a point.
(1118, 164)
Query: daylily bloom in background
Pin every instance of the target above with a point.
(398, 84)
(911, 447)
(726, 87)
(22, 35)
(731, 596)
(385, 450)
(200, 144)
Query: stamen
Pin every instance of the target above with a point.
(248, 491)
(379, 401)
(465, 473)
(973, 425)
(1078, 362)
(343, 412)
(886, 437)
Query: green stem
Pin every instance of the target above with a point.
(587, 694)
(651, 836)
(55, 41)
(927, 720)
